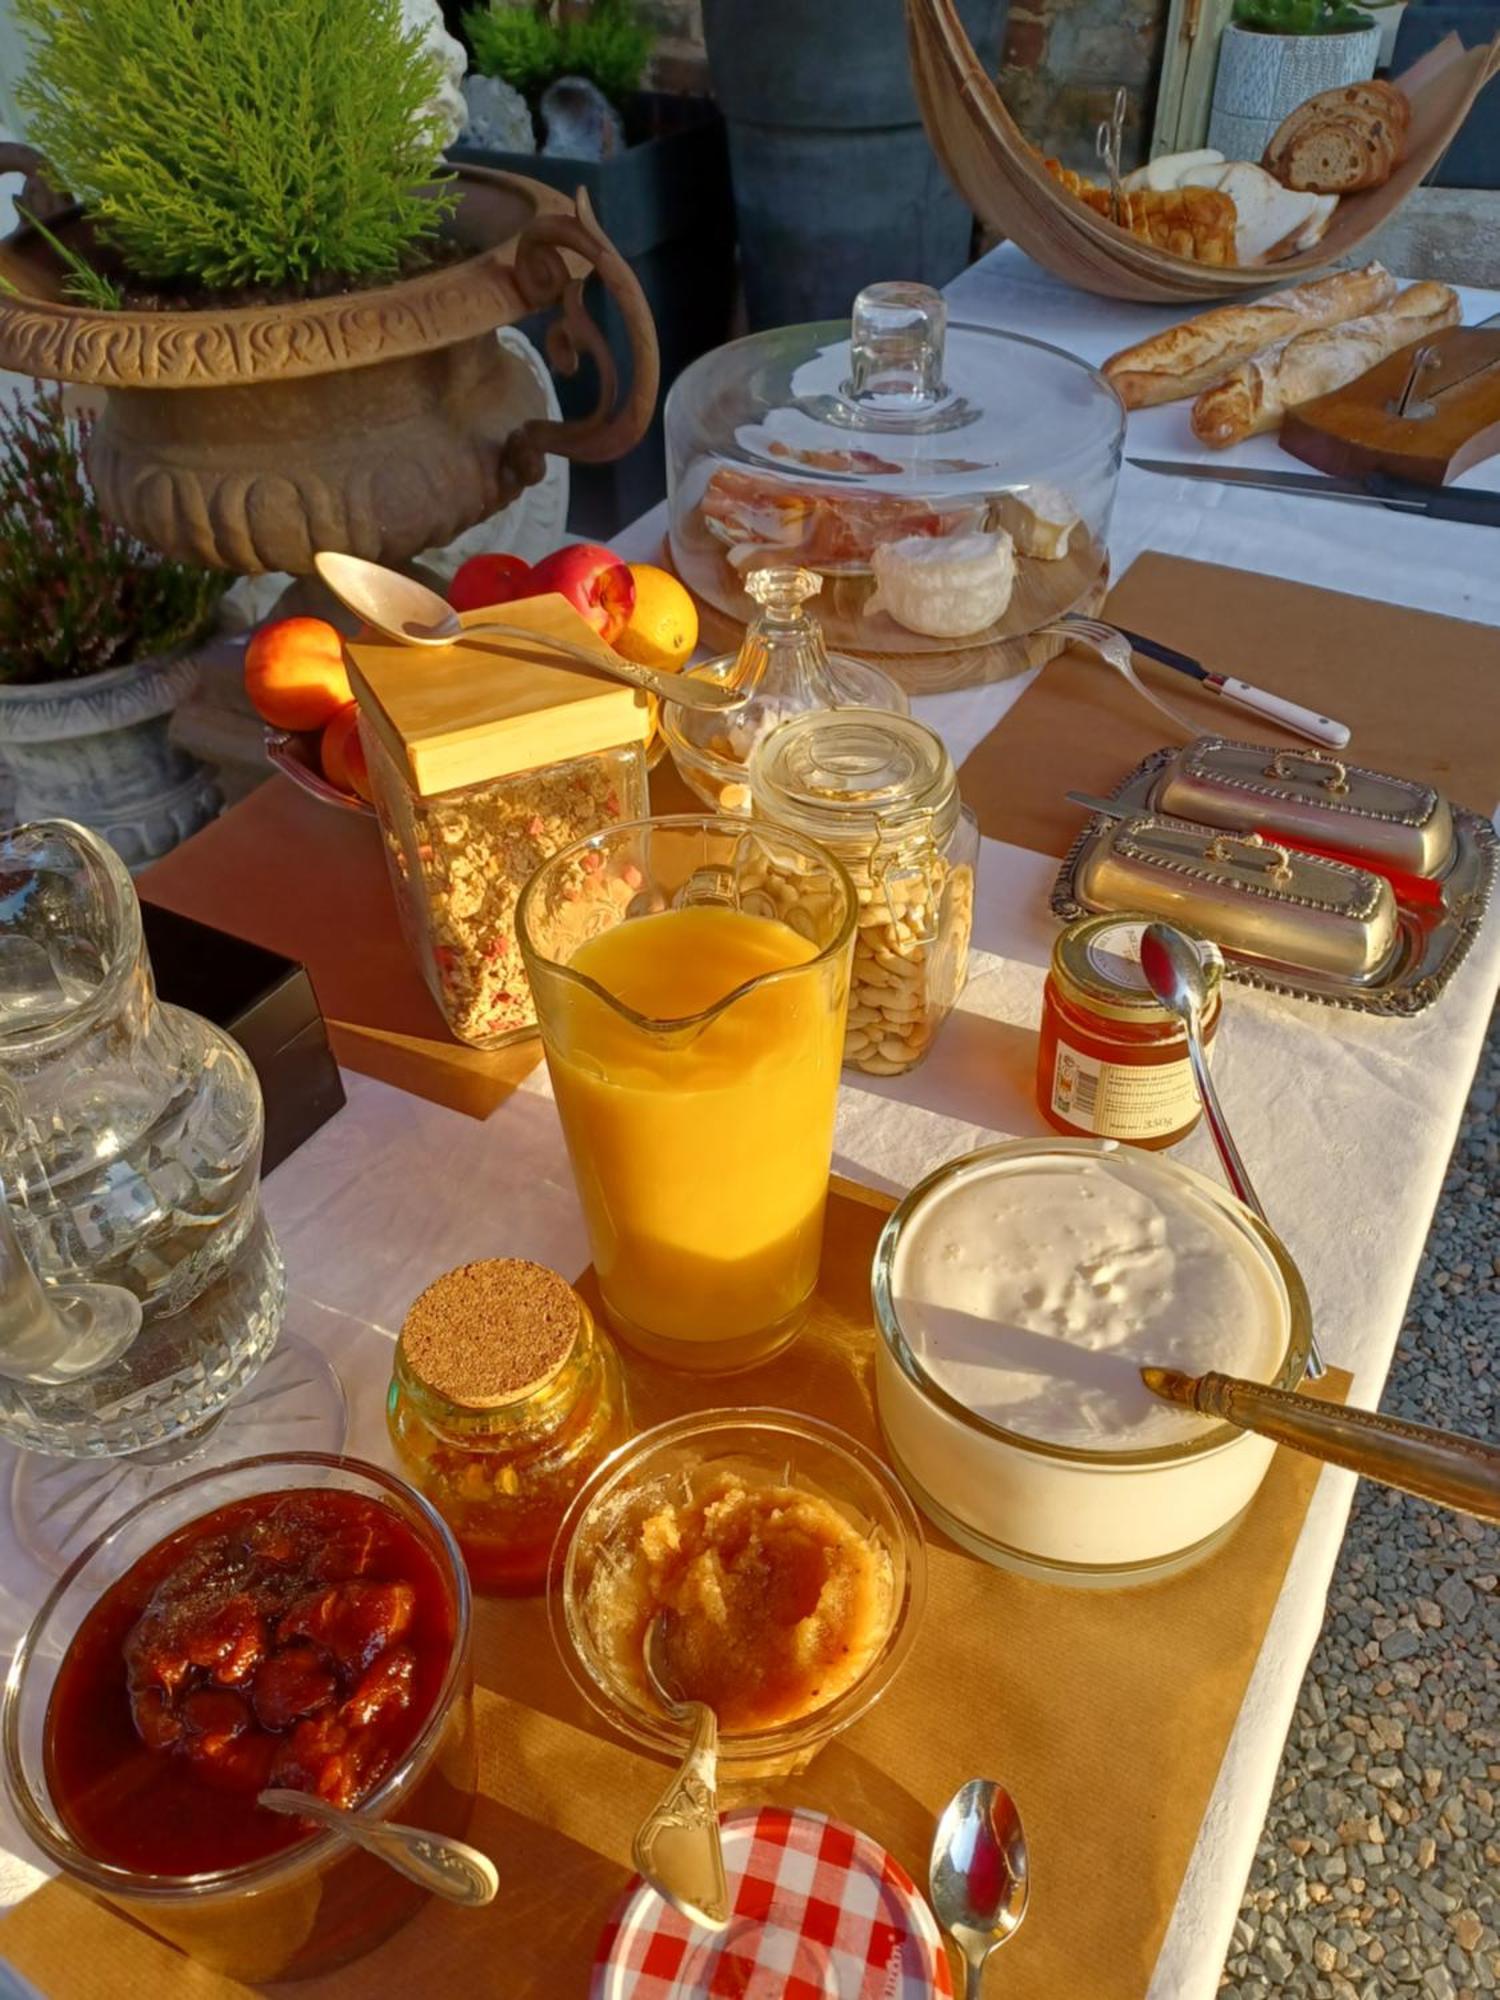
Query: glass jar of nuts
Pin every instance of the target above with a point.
(879, 792)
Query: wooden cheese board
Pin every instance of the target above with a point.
(1425, 414)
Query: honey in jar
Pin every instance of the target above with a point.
(1112, 1061)
(504, 1397)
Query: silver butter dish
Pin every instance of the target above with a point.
(1313, 796)
(1287, 921)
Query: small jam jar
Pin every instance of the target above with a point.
(1112, 1062)
(504, 1397)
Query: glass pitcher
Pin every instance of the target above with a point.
(691, 979)
(140, 1287)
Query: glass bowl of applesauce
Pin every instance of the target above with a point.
(1018, 1291)
(786, 1564)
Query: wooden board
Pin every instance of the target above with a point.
(1421, 694)
(1355, 430)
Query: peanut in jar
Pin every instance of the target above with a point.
(879, 791)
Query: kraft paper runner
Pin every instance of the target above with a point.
(1420, 692)
(1106, 1713)
(310, 882)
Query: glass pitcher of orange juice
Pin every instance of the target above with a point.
(691, 978)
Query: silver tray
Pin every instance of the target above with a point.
(1432, 942)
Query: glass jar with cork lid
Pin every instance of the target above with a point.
(504, 1397)
(485, 760)
(879, 792)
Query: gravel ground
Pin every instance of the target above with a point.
(1378, 1873)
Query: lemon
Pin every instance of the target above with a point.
(662, 629)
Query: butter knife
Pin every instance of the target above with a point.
(1479, 507)
(1442, 1466)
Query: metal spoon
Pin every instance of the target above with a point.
(413, 615)
(978, 1876)
(449, 1868)
(677, 1848)
(1174, 972)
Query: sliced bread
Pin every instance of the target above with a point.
(1338, 156)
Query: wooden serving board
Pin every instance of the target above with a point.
(1354, 430)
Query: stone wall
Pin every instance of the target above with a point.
(1062, 62)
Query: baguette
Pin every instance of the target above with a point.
(1260, 391)
(1190, 356)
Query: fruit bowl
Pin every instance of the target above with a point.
(294, 752)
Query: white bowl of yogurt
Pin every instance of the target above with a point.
(1018, 1291)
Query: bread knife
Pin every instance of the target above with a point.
(1377, 489)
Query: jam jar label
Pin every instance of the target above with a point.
(1120, 1101)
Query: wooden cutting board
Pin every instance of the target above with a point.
(1452, 420)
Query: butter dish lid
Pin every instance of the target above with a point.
(1246, 893)
(469, 713)
(1313, 794)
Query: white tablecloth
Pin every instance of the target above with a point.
(1347, 1122)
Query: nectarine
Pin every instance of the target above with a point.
(487, 579)
(342, 755)
(593, 579)
(295, 675)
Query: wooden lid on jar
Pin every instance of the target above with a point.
(465, 714)
(491, 1333)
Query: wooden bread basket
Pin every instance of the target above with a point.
(1003, 179)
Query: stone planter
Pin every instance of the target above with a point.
(835, 184)
(96, 750)
(381, 422)
(1262, 77)
(665, 204)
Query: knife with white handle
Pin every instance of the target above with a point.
(1275, 707)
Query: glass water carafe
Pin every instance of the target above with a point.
(140, 1287)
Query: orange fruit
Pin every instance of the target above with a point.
(295, 675)
(662, 629)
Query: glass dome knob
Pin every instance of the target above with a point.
(896, 335)
(782, 589)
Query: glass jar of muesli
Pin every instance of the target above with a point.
(485, 761)
(459, 860)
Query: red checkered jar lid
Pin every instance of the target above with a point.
(820, 1912)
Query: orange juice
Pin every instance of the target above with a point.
(701, 1145)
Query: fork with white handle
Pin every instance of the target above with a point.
(1116, 647)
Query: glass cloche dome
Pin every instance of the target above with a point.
(951, 484)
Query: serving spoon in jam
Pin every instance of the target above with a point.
(677, 1848)
(449, 1868)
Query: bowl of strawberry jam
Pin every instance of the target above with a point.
(298, 1621)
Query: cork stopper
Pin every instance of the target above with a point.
(488, 1334)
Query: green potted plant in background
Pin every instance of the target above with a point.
(290, 306)
(96, 635)
(1274, 55)
(662, 196)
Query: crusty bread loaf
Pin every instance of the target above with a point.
(1259, 392)
(1188, 357)
(1342, 140)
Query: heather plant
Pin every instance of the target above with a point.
(234, 143)
(77, 594)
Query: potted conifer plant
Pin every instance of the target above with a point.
(663, 198)
(290, 308)
(95, 639)
(1274, 55)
